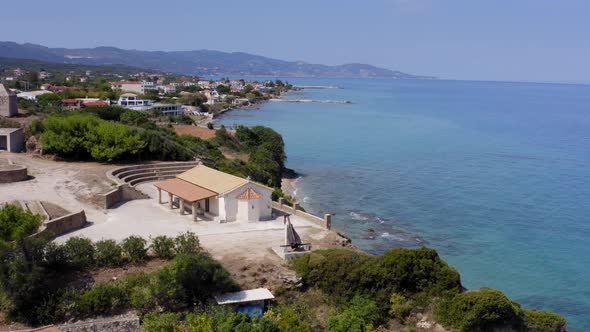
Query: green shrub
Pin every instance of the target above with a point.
(56, 306)
(135, 248)
(343, 273)
(190, 279)
(361, 313)
(210, 125)
(199, 322)
(108, 253)
(287, 320)
(162, 322)
(16, 224)
(102, 299)
(400, 307)
(544, 321)
(187, 243)
(80, 252)
(482, 309)
(138, 287)
(163, 247)
(56, 256)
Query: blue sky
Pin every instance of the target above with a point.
(526, 40)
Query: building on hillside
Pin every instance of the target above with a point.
(218, 196)
(45, 86)
(130, 100)
(128, 86)
(168, 109)
(8, 102)
(96, 103)
(19, 72)
(12, 139)
(71, 104)
(43, 75)
(61, 88)
(32, 95)
(169, 88)
(147, 85)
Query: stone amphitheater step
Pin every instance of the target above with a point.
(144, 166)
(150, 179)
(180, 168)
(34, 207)
(152, 173)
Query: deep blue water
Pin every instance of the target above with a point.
(493, 175)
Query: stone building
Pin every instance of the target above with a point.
(8, 102)
(12, 139)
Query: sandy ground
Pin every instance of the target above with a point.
(66, 184)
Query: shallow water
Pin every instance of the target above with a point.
(493, 175)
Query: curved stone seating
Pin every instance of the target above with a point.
(136, 174)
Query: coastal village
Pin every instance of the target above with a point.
(123, 208)
(171, 95)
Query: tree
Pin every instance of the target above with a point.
(194, 99)
(109, 141)
(223, 89)
(48, 101)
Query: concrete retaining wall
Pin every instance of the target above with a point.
(121, 193)
(14, 174)
(325, 222)
(126, 324)
(65, 224)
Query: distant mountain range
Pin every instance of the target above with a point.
(200, 62)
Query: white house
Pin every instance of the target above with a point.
(130, 101)
(32, 95)
(129, 86)
(169, 109)
(217, 195)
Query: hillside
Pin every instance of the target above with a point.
(198, 62)
(54, 67)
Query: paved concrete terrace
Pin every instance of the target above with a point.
(147, 218)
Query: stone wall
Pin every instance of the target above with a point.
(123, 324)
(325, 222)
(121, 193)
(65, 224)
(13, 174)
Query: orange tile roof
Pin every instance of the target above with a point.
(249, 194)
(185, 190)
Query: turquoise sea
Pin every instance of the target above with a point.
(494, 175)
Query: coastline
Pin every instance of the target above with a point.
(288, 186)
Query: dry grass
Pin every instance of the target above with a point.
(200, 132)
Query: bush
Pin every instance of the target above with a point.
(343, 273)
(80, 252)
(187, 243)
(163, 247)
(138, 287)
(191, 279)
(544, 321)
(108, 253)
(162, 322)
(483, 309)
(16, 224)
(287, 320)
(362, 313)
(103, 299)
(135, 248)
(210, 125)
(400, 307)
(56, 256)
